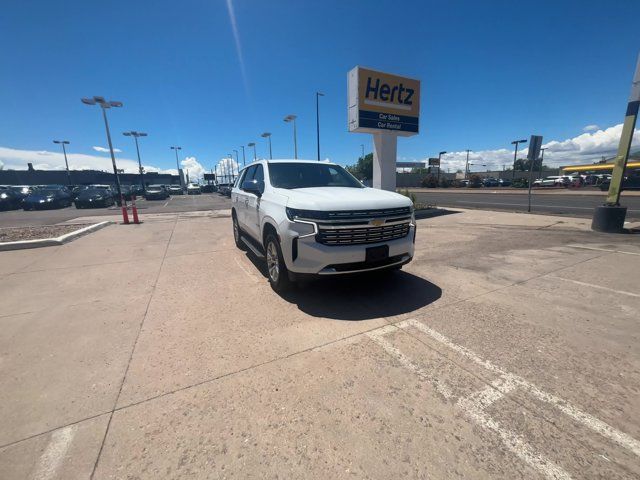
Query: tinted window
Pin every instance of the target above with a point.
(250, 172)
(306, 175)
(259, 174)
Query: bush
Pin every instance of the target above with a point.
(430, 181)
(520, 183)
(409, 195)
(475, 181)
(445, 183)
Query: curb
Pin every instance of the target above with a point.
(51, 242)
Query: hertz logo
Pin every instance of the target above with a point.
(381, 94)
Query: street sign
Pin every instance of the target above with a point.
(534, 148)
(210, 176)
(434, 162)
(383, 102)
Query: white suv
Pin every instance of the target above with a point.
(315, 218)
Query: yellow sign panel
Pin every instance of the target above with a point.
(381, 101)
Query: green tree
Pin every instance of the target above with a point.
(364, 168)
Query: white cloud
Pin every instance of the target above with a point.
(18, 159)
(106, 150)
(584, 148)
(591, 128)
(194, 168)
(226, 169)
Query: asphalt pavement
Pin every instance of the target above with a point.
(174, 204)
(565, 203)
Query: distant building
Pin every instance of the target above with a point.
(81, 177)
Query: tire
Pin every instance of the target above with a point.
(276, 268)
(237, 232)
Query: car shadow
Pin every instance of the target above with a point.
(359, 296)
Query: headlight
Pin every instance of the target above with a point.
(294, 213)
(3, 195)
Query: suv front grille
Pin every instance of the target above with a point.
(362, 235)
(360, 214)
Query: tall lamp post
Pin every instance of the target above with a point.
(230, 156)
(135, 136)
(541, 159)
(292, 119)
(64, 151)
(104, 105)
(255, 155)
(362, 145)
(268, 136)
(515, 156)
(244, 158)
(175, 149)
(318, 95)
(439, 164)
(237, 165)
(466, 168)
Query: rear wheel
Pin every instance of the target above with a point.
(276, 268)
(237, 232)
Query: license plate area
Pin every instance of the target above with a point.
(376, 254)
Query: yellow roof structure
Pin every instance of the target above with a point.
(596, 167)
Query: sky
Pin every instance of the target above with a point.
(212, 75)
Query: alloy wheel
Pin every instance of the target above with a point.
(273, 264)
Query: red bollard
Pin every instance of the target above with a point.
(125, 215)
(134, 210)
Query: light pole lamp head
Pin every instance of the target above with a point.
(63, 142)
(320, 94)
(251, 144)
(515, 142)
(442, 153)
(290, 118)
(265, 135)
(175, 148)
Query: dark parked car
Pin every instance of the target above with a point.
(176, 190)
(156, 192)
(47, 198)
(628, 183)
(94, 198)
(9, 200)
(490, 182)
(22, 190)
(208, 188)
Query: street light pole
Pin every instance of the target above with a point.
(268, 136)
(237, 165)
(292, 118)
(318, 95)
(255, 155)
(515, 156)
(135, 136)
(244, 159)
(541, 160)
(439, 164)
(362, 145)
(230, 156)
(64, 151)
(104, 105)
(178, 165)
(466, 168)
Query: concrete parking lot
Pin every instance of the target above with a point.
(176, 203)
(507, 349)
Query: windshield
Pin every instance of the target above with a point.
(94, 191)
(307, 175)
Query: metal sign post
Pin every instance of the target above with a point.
(534, 153)
(610, 216)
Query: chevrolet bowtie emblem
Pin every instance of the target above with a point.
(376, 222)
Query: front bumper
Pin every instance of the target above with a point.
(304, 255)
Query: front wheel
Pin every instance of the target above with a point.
(276, 268)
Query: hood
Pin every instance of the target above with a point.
(343, 198)
(92, 195)
(36, 197)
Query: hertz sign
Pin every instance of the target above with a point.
(382, 102)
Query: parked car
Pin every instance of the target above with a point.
(503, 182)
(176, 190)
(47, 198)
(555, 181)
(193, 189)
(628, 183)
(94, 198)
(9, 200)
(315, 218)
(490, 182)
(22, 190)
(156, 192)
(209, 188)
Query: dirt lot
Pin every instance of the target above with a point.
(507, 349)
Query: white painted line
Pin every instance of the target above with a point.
(53, 455)
(603, 249)
(599, 287)
(249, 274)
(585, 419)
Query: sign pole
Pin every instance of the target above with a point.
(535, 143)
(610, 216)
(385, 148)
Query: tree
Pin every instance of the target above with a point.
(523, 164)
(363, 169)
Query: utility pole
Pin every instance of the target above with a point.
(255, 155)
(440, 165)
(267, 135)
(466, 168)
(541, 160)
(178, 165)
(292, 119)
(135, 136)
(64, 151)
(515, 156)
(362, 145)
(244, 159)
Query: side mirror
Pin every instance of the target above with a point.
(253, 186)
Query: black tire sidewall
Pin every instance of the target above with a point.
(283, 282)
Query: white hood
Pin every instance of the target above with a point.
(342, 198)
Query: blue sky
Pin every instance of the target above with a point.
(491, 72)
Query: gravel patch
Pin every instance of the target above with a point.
(16, 234)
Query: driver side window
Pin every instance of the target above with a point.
(248, 175)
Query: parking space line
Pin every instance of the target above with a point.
(475, 404)
(249, 274)
(53, 455)
(603, 249)
(599, 287)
